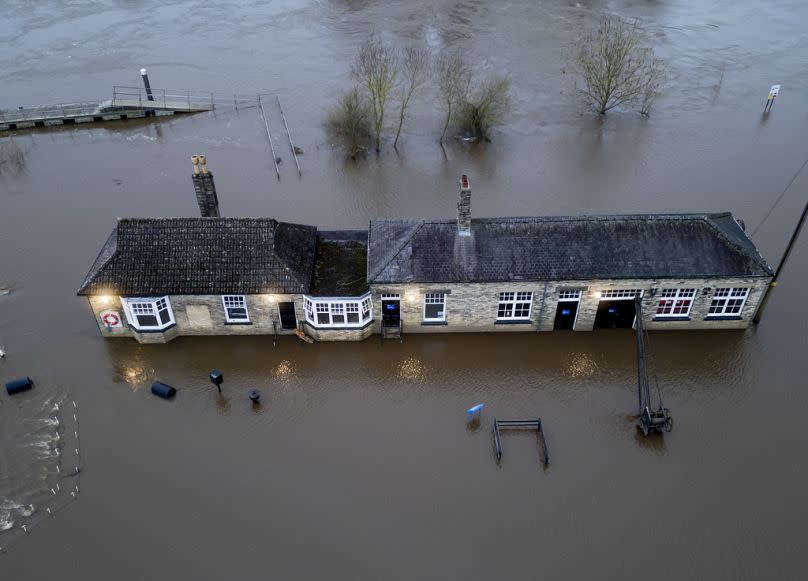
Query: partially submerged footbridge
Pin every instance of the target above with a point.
(126, 103)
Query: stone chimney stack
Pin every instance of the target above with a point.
(464, 207)
(204, 188)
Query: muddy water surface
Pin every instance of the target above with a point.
(358, 464)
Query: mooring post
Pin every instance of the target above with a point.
(149, 96)
(216, 378)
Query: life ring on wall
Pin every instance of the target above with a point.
(111, 319)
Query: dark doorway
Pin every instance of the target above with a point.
(288, 317)
(391, 313)
(615, 315)
(565, 315)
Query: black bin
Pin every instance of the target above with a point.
(162, 390)
(19, 385)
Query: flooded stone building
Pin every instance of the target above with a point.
(158, 278)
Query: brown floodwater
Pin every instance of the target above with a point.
(358, 463)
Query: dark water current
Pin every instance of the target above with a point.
(358, 465)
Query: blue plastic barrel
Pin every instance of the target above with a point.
(162, 390)
(19, 385)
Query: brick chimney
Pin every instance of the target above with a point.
(204, 188)
(464, 207)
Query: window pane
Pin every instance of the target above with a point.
(522, 310)
(147, 321)
(237, 313)
(433, 311)
(323, 318)
(353, 317)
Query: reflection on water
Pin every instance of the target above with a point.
(412, 369)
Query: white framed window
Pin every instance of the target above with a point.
(675, 302)
(235, 309)
(728, 302)
(514, 305)
(434, 306)
(148, 314)
(337, 312)
(569, 295)
(623, 293)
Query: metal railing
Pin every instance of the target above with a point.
(175, 99)
(64, 110)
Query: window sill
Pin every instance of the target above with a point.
(163, 330)
(513, 322)
(671, 319)
(339, 328)
(433, 323)
(724, 318)
(237, 323)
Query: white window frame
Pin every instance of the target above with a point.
(569, 296)
(673, 299)
(236, 302)
(513, 298)
(721, 299)
(132, 306)
(435, 298)
(335, 307)
(617, 294)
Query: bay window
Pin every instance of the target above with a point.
(338, 312)
(148, 314)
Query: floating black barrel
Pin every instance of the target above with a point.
(19, 385)
(255, 395)
(163, 390)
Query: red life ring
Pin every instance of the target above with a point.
(111, 320)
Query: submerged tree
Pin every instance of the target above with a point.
(376, 70)
(615, 69)
(349, 122)
(486, 107)
(454, 78)
(414, 65)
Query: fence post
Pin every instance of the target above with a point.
(211, 102)
(164, 100)
(189, 100)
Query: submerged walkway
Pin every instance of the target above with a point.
(126, 103)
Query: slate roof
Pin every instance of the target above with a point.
(192, 256)
(562, 248)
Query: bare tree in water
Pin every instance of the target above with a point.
(349, 122)
(486, 106)
(454, 78)
(414, 65)
(376, 70)
(615, 69)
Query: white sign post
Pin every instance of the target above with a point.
(773, 92)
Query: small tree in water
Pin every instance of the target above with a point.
(486, 107)
(414, 65)
(454, 78)
(349, 122)
(615, 69)
(376, 71)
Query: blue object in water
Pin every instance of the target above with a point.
(162, 390)
(255, 395)
(473, 413)
(19, 385)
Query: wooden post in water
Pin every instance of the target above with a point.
(271, 146)
(289, 135)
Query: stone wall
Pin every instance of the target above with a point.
(472, 307)
(340, 334)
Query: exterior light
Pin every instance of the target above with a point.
(598, 294)
(106, 299)
(270, 298)
(411, 297)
